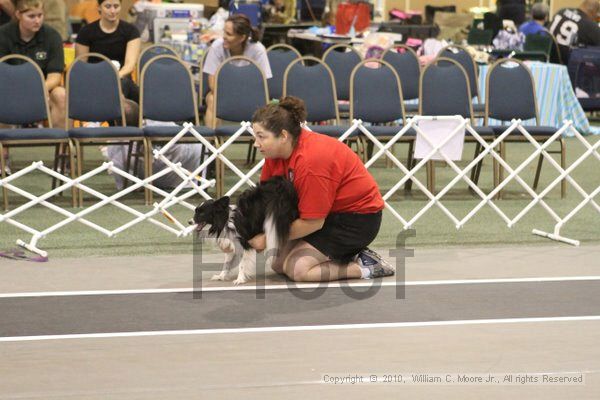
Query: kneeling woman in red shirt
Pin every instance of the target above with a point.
(339, 201)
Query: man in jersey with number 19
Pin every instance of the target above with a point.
(576, 27)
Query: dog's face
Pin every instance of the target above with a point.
(212, 212)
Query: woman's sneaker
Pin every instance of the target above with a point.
(373, 265)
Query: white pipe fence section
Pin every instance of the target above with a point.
(180, 194)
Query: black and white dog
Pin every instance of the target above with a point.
(268, 208)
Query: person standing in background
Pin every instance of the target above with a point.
(511, 9)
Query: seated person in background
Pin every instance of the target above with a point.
(7, 11)
(239, 39)
(28, 36)
(188, 154)
(281, 11)
(576, 27)
(119, 41)
(539, 15)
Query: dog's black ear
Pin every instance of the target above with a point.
(223, 202)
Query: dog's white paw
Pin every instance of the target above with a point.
(240, 280)
(218, 277)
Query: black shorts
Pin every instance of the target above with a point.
(344, 235)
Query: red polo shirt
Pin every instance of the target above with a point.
(328, 176)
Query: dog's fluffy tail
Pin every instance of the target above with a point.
(273, 238)
(281, 210)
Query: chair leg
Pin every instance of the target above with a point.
(148, 194)
(495, 167)
(538, 171)
(360, 148)
(500, 168)
(64, 158)
(221, 178)
(79, 168)
(479, 166)
(57, 151)
(388, 162)
(136, 156)
(249, 154)
(254, 150)
(409, 165)
(431, 176)
(370, 146)
(563, 164)
(72, 162)
(362, 142)
(218, 175)
(476, 171)
(128, 162)
(3, 174)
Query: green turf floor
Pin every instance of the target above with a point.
(433, 229)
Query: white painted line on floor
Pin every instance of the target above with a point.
(293, 286)
(298, 328)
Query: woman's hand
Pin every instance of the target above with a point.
(258, 242)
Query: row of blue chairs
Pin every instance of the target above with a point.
(343, 59)
(168, 94)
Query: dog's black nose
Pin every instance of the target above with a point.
(191, 221)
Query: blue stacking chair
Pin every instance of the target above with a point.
(408, 69)
(463, 57)
(341, 59)
(376, 98)
(311, 80)
(167, 94)
(240, 89)
(280, 56)
(510, 94)
(23, 101)
(94, 94)
(150, 52)
(445, 90)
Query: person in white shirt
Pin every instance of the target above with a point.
(239, 39)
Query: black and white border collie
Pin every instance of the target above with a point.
(268, 208)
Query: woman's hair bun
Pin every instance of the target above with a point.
(295, 106)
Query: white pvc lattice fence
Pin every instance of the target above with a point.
(192, 184)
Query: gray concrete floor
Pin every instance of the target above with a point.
(292, 364)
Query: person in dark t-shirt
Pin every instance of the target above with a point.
(117, 40)
(576, 27)
(30, 37)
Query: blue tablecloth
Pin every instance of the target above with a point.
(555, 96)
